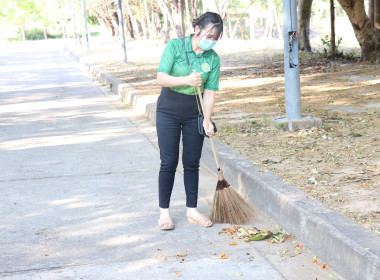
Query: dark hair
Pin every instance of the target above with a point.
(207, 18)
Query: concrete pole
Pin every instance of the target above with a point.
(85, 23)
(121, 29)
(293, 120)
(292, 75)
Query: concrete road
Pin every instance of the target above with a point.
(78, 188)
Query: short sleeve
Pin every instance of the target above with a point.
(167, 59)
(213, 79)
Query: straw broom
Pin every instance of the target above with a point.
(228, 206)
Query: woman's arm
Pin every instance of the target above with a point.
(208, 100)
(165, 80)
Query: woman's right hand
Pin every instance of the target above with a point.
(194, 79)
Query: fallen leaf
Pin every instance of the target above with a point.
(178, 274)
(261, 170)
(299, 245)
(243, 231)
(324, 267)
(233, 244)
(222, 256)
(308, 197)
(297, 252)
(260, 236)
(239, 274)
(316, 261)
(181, 255)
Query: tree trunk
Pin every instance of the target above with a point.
(129, 27)
(229, 25)
(332, 24)
(371, 12)
(233, 34)
(45, 35)
(167, 12)
(178, 7)
(277, 23)
(23, 31)
(115, 23)
(362, 27)
(133, 20)
(252, 23)
(150, 29)
(194, 5)
(268, 31)
(106, 22)
(165, 28)
(304, 12)
(188, 16)
(377, 29)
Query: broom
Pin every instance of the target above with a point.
(228, 206)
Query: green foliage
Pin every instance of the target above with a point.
(55, 36)
(92, 20)
(327, 42)
(265, 119)
(34, 34)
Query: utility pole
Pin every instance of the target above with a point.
(293, 119)
(121, 29)
(85, 23)
(292, 73)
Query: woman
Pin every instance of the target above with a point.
(177, 111)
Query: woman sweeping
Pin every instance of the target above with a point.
(177, 111)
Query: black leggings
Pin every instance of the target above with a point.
(178, 113)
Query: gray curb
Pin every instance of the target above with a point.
(354, 252)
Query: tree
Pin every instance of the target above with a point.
(362, 28)
(106, 12)
(377, 29)
(19, 11)
(304, 13)
(178, 8)
(332, 37)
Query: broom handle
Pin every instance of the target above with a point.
(207, 122)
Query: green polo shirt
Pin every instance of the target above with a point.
(173, 62)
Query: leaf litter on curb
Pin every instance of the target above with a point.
(255, 234)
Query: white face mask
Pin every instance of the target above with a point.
(206, 45)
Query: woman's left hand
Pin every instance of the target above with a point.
(209, 129)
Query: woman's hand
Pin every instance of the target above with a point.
(194, 79)
(209, 129)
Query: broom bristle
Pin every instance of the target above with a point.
(229, 207)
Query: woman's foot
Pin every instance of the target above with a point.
(165, 222)
(194, 217)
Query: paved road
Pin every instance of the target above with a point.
(78, 186)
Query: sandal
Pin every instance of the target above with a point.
(166, 223)
(200, 220)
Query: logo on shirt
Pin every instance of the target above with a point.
(206, 67)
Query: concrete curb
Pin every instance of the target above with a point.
(351, 250)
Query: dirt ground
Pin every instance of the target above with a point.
(337, 163)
